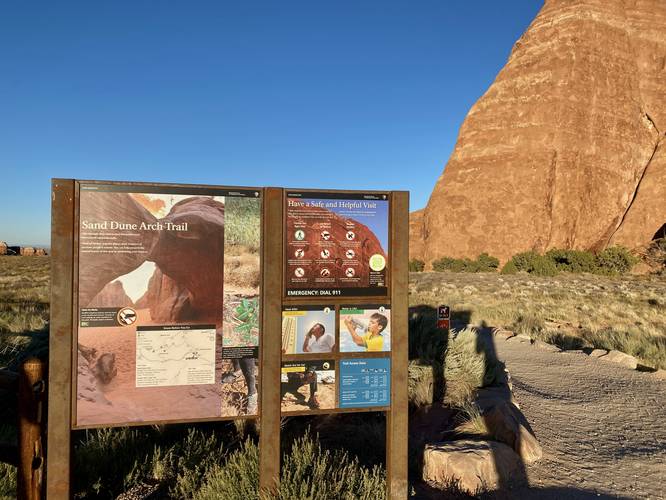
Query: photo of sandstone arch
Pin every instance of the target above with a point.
(187, 260)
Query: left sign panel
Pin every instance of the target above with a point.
(168, 303)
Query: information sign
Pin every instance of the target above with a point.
(365, 382)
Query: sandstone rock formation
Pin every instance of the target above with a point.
(166, 300)
(112, 295)
(3, 248)
(365, 244)
(194, 259)
(27, 251)
(567, 147)
(109, 265)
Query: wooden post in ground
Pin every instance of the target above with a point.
(60, 339)
(31, 414)
(271, 340)
(397, 416)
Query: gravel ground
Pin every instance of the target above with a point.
(602, 426)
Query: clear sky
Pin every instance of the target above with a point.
(300, 94)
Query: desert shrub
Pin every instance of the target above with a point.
(573, 261)
(111, 461)
(309, 472)
(483, 263)
(509, 268)
(420, 384)
(468, 364)
(7, 481)
(237, 479)
(448, 264)
(531, 324)
(534, 263)
(615, 260)
(416, 266)
(487, 263)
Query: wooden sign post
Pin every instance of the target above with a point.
(142, 296)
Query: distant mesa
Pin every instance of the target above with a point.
(19, 250)
(567, 147)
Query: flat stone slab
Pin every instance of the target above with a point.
(546, 346)
(473, 466)
(621, 359)
(597, 353)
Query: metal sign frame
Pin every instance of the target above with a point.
(64, 268)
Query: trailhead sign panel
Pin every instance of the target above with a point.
(168, 303)
(336, 244)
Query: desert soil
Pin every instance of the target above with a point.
(602, 426)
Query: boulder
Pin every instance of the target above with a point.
(568, 142)
(659, 374)
(473, 466)
(99, 266)
(41, 251)
(3, 248)
(507, 424)
(597, 353)
(489, 397)
(27, 251)
(112, 295)
(194, 259)
(621, 359)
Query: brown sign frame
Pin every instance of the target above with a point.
(64, 259)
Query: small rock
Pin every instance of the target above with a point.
(621, 358)
(522, 338)
(546, 346)
(473, 466)
(597, 353)
(659, 374)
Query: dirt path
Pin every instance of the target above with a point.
(602, 427)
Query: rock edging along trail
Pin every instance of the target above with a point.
(601, 425)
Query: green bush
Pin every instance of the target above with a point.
(483, 263)
(487, 263)
(311, 473)
(534, 263)
(573, 261)
(416, 266)
(615, 260)
(237, 479)
(509, 268)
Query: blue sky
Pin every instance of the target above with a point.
(341, 95)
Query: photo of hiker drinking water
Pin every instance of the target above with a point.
(367, 329)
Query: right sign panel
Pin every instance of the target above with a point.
(336, 244)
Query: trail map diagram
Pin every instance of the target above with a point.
(170, 357)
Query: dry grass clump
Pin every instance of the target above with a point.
(24, 293)
(572, 310)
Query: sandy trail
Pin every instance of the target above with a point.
(602, 427)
